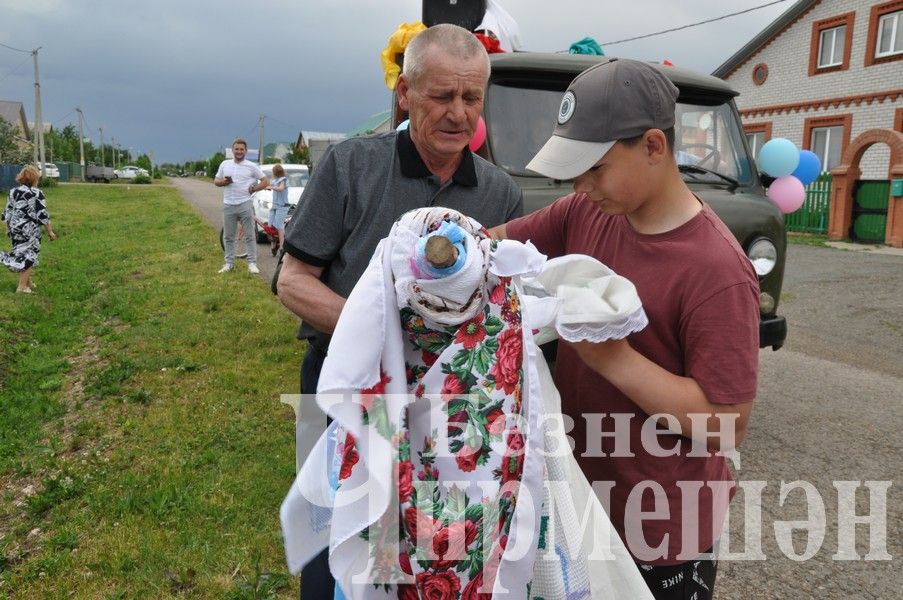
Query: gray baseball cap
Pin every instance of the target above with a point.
(611, 101)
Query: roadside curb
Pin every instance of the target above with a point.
(870, 248)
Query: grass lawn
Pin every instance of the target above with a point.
(144, 452)
(807, 239)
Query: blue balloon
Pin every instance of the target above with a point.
(779, 157)
(403, 125)
(809, 168)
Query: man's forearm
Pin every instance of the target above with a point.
(310, 299)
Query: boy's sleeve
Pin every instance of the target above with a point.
(721, 344)
(314, 235)
(219, 170)
(546, 227)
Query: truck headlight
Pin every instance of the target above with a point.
(763, 256)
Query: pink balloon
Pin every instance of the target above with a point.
(479, 136)
(787, 193)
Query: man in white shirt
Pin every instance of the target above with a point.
(241, 178)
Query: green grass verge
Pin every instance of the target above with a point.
(807, 239)
(143, 449)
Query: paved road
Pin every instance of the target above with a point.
(830, 408)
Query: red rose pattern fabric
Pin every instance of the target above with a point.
(446, 531)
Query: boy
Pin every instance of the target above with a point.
(698, 356)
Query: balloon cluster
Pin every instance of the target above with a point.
(792, 168)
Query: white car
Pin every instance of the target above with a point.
(50, 170)
(130, 172)
(296, 178)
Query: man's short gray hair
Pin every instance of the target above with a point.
(447, 38)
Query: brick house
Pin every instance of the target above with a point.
(828, 75)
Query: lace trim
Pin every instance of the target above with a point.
(596, 332)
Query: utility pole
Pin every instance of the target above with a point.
(260, 157)
(113, 150)
(102, 163)
(38, 116)
(81, 141)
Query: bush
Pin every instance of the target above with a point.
(141, 179)
(47, 182)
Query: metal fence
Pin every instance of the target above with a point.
(8, 178)
(812, 217)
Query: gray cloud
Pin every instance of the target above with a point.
(180, 79)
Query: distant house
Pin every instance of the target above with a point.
(378, 123)
(316, 143)
(277, 150)
(820, 75)
(828, 75)
(14, 114)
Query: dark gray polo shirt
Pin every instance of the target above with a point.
(362, 186)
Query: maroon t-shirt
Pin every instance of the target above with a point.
(701, 295)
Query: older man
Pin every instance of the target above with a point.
(241, 178)
(362, 185)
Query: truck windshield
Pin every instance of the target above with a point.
(521, 119)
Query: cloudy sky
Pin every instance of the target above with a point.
(181, 79)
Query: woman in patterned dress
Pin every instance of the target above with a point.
(25, 213)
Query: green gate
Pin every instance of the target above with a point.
(870, 211)
(812, 216)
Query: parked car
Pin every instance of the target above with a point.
(50, 170)
(130, 172)
(296, 178)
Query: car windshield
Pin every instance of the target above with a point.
(296, 178)
(708, 138)
(293, 177)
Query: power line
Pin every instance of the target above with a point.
(13, 72)
(648, 35)
(63, 117)
(17, 49)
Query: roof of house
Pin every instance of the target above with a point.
(370, 125)
(321, 135)
(13, 112)
(788, 18)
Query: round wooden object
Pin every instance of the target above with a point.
(440, 252)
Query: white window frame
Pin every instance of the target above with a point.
(752, 139)
(835, 33)
(824, 159)
(889, 20)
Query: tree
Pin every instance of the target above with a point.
(298, 158)
(12, 148)
(63, 144)
(213, 163)
(144, 162)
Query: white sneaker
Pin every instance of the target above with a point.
(226, 268)
(252, 268)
